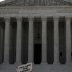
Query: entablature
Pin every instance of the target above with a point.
(36, 11)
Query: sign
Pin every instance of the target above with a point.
(25, 68)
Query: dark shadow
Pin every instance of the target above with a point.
(12, 50)
(2, 34)
(24, 48)
(62, 40)
(37, 53)
(50, 40)
(37, 31)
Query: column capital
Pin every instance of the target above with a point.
(68, 20)
(7, 19)
(19, 18)
(44, 18)
(56, 17)
(68, 17)
(31, 18)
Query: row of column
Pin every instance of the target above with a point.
(44, 42)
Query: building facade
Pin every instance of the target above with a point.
(39, 32)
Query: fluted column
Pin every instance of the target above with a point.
(30, 42)
(68, 40)
(6, 42)
(44, 40)
(18, 45)
(56, 41)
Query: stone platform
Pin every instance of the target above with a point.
(40, 68)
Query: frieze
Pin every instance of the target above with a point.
(47, 10)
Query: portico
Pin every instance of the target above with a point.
(60, 21)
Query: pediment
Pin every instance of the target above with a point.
(37, 3)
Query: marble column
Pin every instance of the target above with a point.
(30, 42)
(18, 45)
(68, 40)
(6, 42)
(56, 40)
(44, 40)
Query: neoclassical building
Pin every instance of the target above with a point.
(37, 31)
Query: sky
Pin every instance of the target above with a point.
(2, 0)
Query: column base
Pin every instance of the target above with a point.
(18, 64)
(56, 63)
(68, 63)
(44, 63)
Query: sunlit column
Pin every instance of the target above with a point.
(56, 40)
(18, 42)
(68, 40)
(6, 42)
(44, 40)
(30, 42)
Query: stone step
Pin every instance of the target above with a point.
(40, 68)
